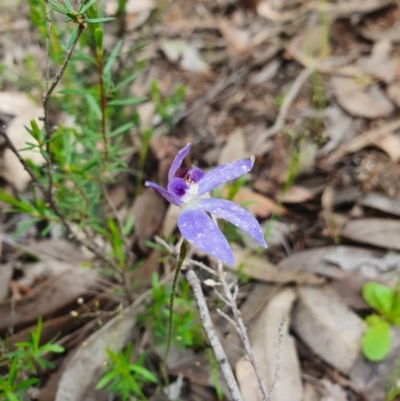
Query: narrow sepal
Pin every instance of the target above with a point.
(164, 193)
(178, 161)
(224, 173)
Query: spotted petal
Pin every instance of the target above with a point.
(198, 228)
(178, 161)
(224, 173)
(235, 214)
(170, 197)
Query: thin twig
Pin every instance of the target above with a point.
(242, 330)
(215, 343)
(45, 101)
(284, 110)
(278, 355)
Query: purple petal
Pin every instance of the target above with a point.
(198, 228)
(195, 175)
(178, 161)
(224, 173)
(178, 187)
(235, 214)
(164, 193)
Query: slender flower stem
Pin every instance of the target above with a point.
(182, 255)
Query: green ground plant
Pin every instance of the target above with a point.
(25, 362)
(186, 328)
(124, 377)
(385, 301)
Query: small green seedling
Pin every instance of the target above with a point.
(376, 340)
(126, 378)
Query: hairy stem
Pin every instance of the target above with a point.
(182, 255)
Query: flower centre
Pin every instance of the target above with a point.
(191, 191)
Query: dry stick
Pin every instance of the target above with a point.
(241, 329)
(215, 343)
(284, 110)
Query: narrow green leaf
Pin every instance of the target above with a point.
(58, 7)
(127, 81)
(127, 102)
(121, 129)
(13, 370)
(12, 397)
(58, 349)
(68, 5)
(146, 374)
(72, 37)
(7, 198)
(22, 226)
(130, 221)
(105, 379)
(26, 383)
(84, 7)
(73, 91)
(98, 20)
(376, 341)
(72, 17)
(93, 105)
(111, 59)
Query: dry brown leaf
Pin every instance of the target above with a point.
(84, 369)
(264, 334)
(343, 9)
(262, 270)
(310, 260)
(389, 144)
(148, 210)
(266, 10)
(136, 11)
(393, 92)
(234, 148)
(297, 194)
(238, 40)
(380, 64)
(380, 201)
(189, 56)
(332, 391)
(349, 289)
(194, 366)
(384, 233)
(255, 203)
(363, 140)
(72, 283)
(6, 272)
(339, 128)
(328, 327)
(24, 110)
(170, 220)
(359, 100)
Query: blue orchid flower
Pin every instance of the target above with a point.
(186, 188)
